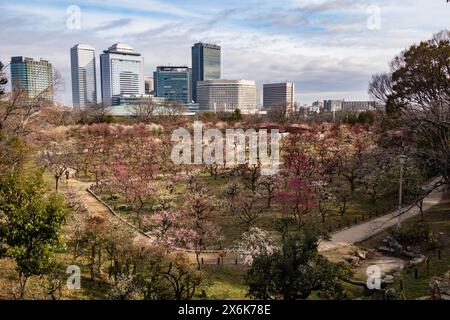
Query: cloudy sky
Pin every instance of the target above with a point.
(329, 48)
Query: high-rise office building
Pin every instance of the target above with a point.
(34, 78)
(279, 94)
(173, 83)
(84, 76)
(205, 64)
(227, 95)
(148, 85)
(122, 73)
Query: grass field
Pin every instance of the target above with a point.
(225, 283)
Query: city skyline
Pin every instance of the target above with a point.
(325, 47)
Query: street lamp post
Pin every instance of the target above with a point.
(400, 190)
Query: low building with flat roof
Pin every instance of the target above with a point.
(227, 95)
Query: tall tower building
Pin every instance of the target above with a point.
(278, 94)
(122, 72)
(34, 78)
(173, 83)
(205, 64)
(84, 76)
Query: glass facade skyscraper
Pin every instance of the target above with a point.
(206, 62)
(34, 78)
(173, 83)
(122, 73)
(84, 81)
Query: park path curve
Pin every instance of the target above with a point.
(365, 230)
(97, 208)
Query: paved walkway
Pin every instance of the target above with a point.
(365, 230)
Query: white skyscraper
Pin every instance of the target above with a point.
(122, 73)
(84, 81)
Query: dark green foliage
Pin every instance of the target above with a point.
(351, 118)
(295, 270)
(417, 233)
(31, 222)
(236, 115)
(108, 119)
(366, 117)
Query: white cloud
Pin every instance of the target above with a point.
(329, 54)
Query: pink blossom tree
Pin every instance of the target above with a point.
(137, 189)
(298, 198)
(198, 227)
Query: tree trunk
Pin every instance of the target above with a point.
(75, 250)
(352, 184)
(22, 285)
(138, 212)
(99, 265)
(421, 210)
(197, 255)
(92, 263)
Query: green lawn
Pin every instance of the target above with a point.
(226, 283)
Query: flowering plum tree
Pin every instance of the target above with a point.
(254, 242)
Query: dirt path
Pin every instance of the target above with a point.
(95, 207)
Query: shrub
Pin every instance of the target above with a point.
(366, 117)
(419, 232)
